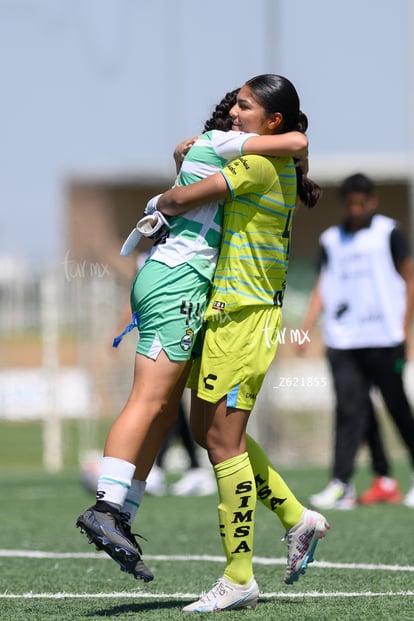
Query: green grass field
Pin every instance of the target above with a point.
(364, 569)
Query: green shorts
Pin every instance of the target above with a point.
(238, 349)
(170, 303)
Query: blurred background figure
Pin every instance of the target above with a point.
(366, 292)
(197, 481)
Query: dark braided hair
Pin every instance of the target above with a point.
(277, 94)
(220, 119)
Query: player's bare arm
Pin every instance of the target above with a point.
(183, 198)
(291, 144)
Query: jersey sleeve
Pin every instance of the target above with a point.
(229, 145)
(250, 173)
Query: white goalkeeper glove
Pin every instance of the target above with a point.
(131, 242)
(151, 206)
(152, 226)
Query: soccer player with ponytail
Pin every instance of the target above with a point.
(243, 314)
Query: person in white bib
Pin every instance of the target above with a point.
(366, 292)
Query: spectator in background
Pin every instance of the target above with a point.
(196, 481)
(366, 292)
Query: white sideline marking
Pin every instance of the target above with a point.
(136, 595)
(258, 560)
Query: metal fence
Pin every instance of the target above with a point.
(70, 317)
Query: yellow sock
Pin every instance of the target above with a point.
(237, 493)
(272, 490)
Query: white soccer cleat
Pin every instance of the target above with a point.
(302, 540)
(336, 495)
(409, 497)
(226, 595)
(156, 484)
(196, 482)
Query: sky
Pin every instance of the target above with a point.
(109, 87)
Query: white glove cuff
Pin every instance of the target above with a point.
(151, 224)
(151, 206)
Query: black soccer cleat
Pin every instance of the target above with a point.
(109, 530)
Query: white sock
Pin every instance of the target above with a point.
(114, 480)
(133, 499)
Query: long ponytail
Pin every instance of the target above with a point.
(277, 94)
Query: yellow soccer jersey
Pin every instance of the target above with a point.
(254, 255)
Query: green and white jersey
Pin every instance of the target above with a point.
(254, 255)
(195, 237)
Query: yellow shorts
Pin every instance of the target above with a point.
(238, 349)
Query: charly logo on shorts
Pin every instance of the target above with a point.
(217, 305)
(187, 340)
